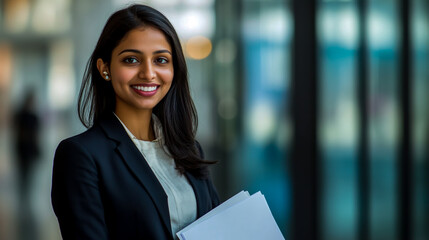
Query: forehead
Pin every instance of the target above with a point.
(144, 38)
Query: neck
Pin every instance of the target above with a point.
(139, 123)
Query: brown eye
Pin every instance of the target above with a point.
(130, 60)
(162, 60)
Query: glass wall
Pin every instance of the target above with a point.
(338, 34)
(338, 119)
(420, 73)
(261, 159)
(384, 102)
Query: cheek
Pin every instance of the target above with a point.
(122, 76)
(167, 85)
(120, 79)
(166, 88)
(167, 76)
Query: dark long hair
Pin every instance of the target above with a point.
(176, 111)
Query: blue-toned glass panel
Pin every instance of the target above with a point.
(338, 119)
(261, 157)
(384, 73)
(420, 127)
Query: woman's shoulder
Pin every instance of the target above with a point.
(88, 138)
(84, 149)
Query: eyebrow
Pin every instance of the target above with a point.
(139, 52)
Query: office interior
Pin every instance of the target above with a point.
(321, 105)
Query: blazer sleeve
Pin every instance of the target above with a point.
(75, 195)
(213, 194)
(212, 190)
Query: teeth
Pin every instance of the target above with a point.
(145, 89)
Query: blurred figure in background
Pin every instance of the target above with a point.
(26, 128)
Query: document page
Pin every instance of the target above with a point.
(225, 205)
(250, 219)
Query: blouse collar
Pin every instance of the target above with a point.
(157, 128)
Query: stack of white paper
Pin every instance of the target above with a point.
(240, 217)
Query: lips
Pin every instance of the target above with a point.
(146, 90)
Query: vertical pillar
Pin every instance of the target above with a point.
(363, 149)
(228, 73)
(405, 160)
(305, 154)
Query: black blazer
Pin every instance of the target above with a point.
(103, 188)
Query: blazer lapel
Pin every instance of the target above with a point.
(138, 166)
(198, 186)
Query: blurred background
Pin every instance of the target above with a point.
(341, 154)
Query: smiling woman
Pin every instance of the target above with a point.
(137, 172)
(141, 71)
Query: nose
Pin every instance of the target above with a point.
(147, 71)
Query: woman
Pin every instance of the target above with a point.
(137, 172)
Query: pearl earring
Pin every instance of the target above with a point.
(106, 75)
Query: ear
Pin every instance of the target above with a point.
(103, 69)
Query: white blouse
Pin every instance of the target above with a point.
(182, 204)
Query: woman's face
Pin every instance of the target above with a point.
(141, 70)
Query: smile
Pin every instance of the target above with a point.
(145, 88)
